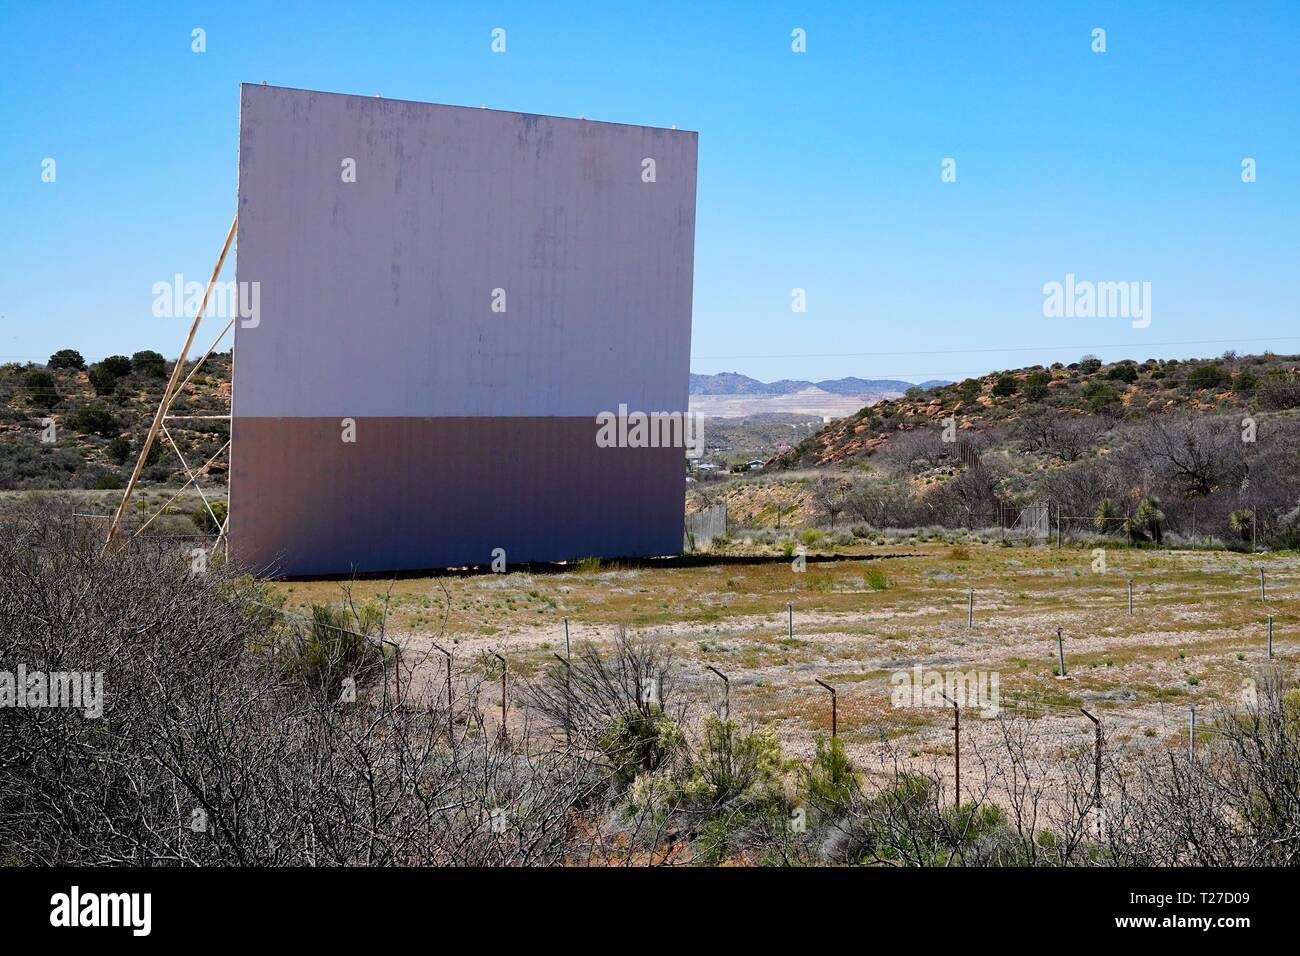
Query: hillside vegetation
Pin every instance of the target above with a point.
(1207, 447)
(68, 425)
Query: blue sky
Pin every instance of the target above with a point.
(818, 171)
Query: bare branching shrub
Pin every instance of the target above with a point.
(621, 704)
(211, 748)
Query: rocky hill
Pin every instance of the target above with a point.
(1083, 390)
(67, 424)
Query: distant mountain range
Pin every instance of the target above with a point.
(733, 383)
(732, 395)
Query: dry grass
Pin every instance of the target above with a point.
(1197, 634)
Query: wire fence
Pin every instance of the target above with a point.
(961, 727)
(705, 525)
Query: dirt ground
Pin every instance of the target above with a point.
(1197, 635)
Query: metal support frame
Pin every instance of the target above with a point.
(174, 387)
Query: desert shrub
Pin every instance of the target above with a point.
(1279, 390)
(1035, 386)
(1089, 364)
(875, 579)
(95, 420)
(118, 449)
(830, 781)
(1242, 523)
(733, 779)
(1107, 517)
(1099, 396)
(67, 358)
(729, 767)
(1005, 385)
(811, 537)
(1148, 520)
(149, 362)
(618, 702)
(40, 466)
(117, 365)
(1287, 534)
(638, 742)
(102, 380)
(40, 388)
(202, 519)
(1123, 373)
(199, 714)
(1206, 376)
(338, 643)
(108, 481)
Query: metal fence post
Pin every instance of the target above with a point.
(1096, 787)
(1191, 730)
(451, 724)
(789, 609)
(1270, 637)
(970, 609)
(726, 684)
(568, 714)
(956, 750)
(834, 714)
(1130, 595)
(1060, 650)
(504, 669)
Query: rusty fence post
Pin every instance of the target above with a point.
(451, 726)
(956, 749)
(1096, 787)
(504, 669)
(726, 684)
(568, 690)
(834, 708)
